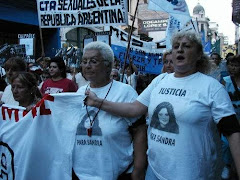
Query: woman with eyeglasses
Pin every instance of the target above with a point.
(104, 146)
(115, 74)
(58, 83)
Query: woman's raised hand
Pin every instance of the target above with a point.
(91, 99)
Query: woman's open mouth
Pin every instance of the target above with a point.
(180, 58)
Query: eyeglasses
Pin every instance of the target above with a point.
(114, 75)
(91, 61)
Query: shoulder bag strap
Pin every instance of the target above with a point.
(235, 86)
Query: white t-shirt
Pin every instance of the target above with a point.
(131, 80)
(80, 80)
(7, 96)
(109, 151)
(183, 141)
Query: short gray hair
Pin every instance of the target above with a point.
(104, 49)
(203, 64)
(115, 70)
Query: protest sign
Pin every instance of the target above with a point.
(28, 41)
(77, 13)
(146, 57)
(3, 53)
(12, 50)
(17, 50)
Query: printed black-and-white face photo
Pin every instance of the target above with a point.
(85, 124)
(12, 51)
(164, 118)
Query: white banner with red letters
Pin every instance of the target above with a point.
(38, 145)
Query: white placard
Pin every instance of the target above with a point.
(81, 13)
(28, 45)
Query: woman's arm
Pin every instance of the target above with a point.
(234, 144)
(135, 69)
(133, 109)
(140, 151)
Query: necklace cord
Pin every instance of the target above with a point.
(99, 108)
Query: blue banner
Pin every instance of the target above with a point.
(203, 37)
(207, 47)
(146, 62)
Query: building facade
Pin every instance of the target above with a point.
(19, 19)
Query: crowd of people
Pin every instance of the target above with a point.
(180, 124)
